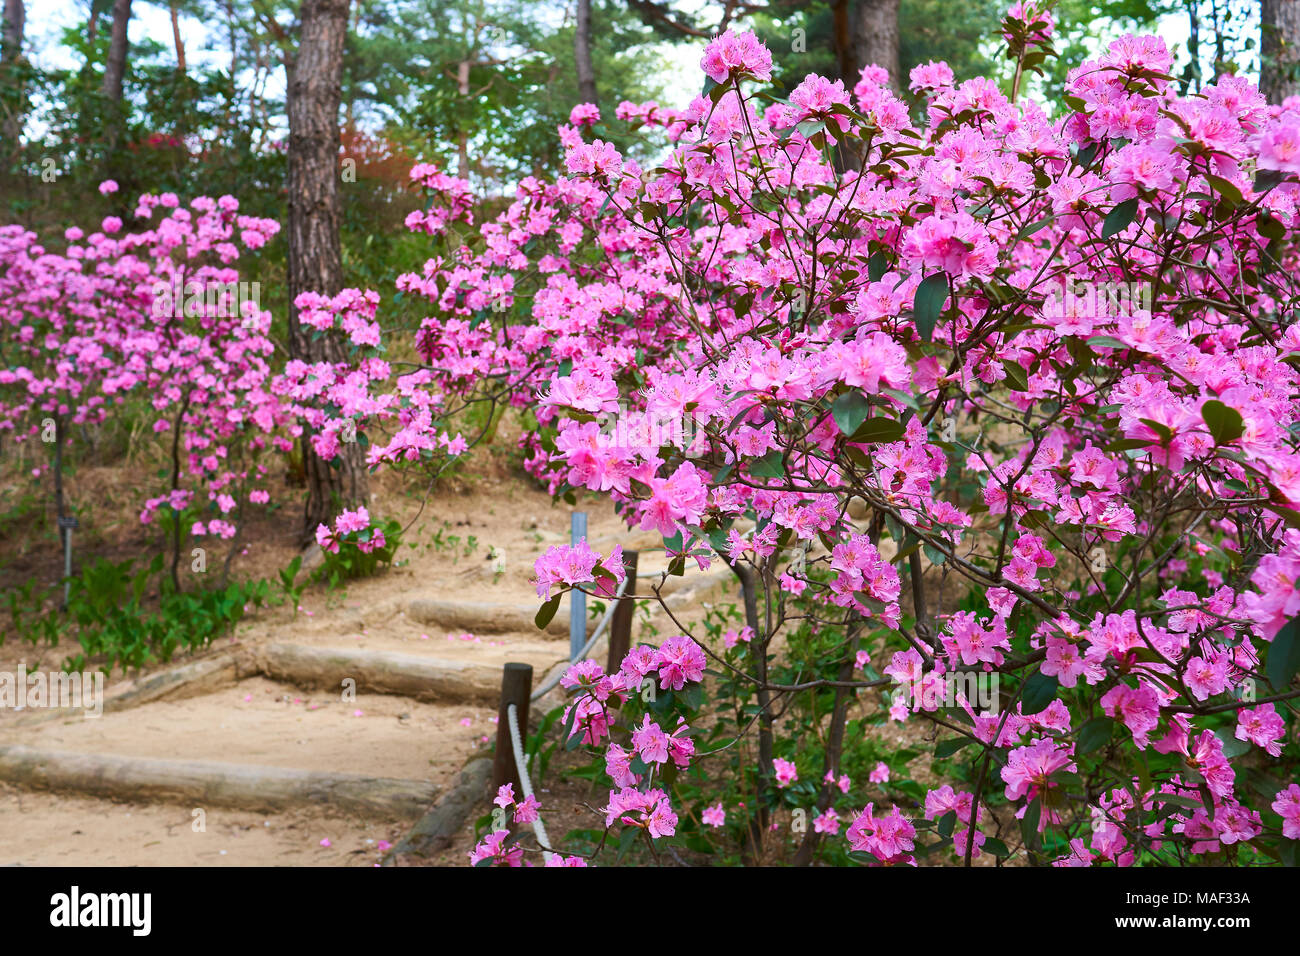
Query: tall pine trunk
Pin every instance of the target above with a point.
(582, 54)
(114, 80)
(865, 32)
(11, 51)
(1280, 46)
(177, 42)
(115, 69)
(315, 260)
(875, 37)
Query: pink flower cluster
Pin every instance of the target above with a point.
(354, 525)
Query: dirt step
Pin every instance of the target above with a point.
(211, 783)
(265, 723)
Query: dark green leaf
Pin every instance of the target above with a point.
(547, 611)
(769, 466)
(878, 430)
(946, 748)
(1017, 377)
(849, 410)
(1038, 693)
(1225, 423)
(928, 304)
(1284, 655)
(1094, 735)
(1119, 218)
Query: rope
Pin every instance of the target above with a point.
(582, 654)
(512, 715)
(539, 828)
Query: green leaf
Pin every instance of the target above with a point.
(547, 611)
(877, 266)
(849, 411)
(1106, 341)
(1029, 824)
(1017, 377)
(1231, 194)
(996, 847)
(931, 296)
(1127, 444)
(1033, 227)
(1038, 693)
(1119, 218)
(936, 556)
(811, 127)
(769, 466)
(1284, 655)
(946, 823)
(1232, 747)
(1225, 423)
(946, 748)
(1094, 735)
(878, 430)
(1268, 178)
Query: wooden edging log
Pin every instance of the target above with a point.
(210, 783)
(380, 672)
(485, 618)
(436, 829)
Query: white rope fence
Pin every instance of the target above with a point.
(525, 784)
(512, 711)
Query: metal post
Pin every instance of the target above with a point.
(67, 565)
(577, 600)
(620, 628)
(516, 685)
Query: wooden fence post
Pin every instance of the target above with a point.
(620, 630)
(516, 686)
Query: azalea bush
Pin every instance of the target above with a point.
(156, 315)
(356, 546)
(152, 318)
(1006, 395)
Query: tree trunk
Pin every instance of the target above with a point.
(582, 54)
(462, 140)
(177, 42)
(874, 27)
(11, 51)
(758, 820)
(1193, 73)
(842, 41)
(1280, 47)
(115, 69)
(315, 261)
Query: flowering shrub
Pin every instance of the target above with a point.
(159, 313)
(1050, 358)
(356, 546)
